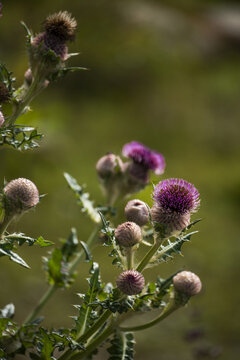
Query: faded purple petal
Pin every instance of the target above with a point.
(142, 155)
(176, 195)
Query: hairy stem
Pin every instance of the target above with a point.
(4, 224)
(141, 266)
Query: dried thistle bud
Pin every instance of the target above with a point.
(4, 93)
(20, 195)
(130, 282)
(107, 165)
(62, 25)
(187, 282)
(2, 119)
(128, 234)
(137, 211)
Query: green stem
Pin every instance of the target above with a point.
(141, 266)
(130, 258)
(92, 330)
(5, 223)
(53, 288)
(44, 299)
(155, 321)
(91, 347)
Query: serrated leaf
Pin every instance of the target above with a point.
(14, 257)
(83, 198)
(86, 250)
(122, 346)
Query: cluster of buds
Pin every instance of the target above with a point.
(49, 47)
(130, 177)
(19, 195)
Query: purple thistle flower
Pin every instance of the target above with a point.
(176, 195)
(142, 155)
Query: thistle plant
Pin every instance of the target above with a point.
(105, 313)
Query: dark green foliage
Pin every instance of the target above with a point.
(122, 346)
(7, 244)
(20, 137)
(87, 206)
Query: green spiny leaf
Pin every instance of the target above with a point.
(122, 346)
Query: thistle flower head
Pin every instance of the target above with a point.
(187, 282)
(107, 165)
(20, 195)
(4, 93)
(142, 155)
(2, 119)
(128, 234)
(62, 25)
(137, 211)
(130, 282)
(176, 195)
(52, 42)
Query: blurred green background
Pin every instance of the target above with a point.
(166, 73)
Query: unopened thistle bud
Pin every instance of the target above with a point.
(128, 234)
(2, 119)
(130, 282)
(175, 200)
(137, 211)
(108, 166)
(4, 93)
(187, 282)
(20, 195)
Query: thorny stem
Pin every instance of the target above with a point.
(52, 289)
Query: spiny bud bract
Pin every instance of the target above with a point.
(128, 234)
(187, 282)
(137, 211)
(130, 282)
(20, 195)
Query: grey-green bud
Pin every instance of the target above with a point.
(128, 234)
(137, 211)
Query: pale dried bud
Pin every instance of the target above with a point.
(128, 234)
(2, 119)
(107, 165)
(137, 211)
(172, 221)
(187, 282)
(20, 195)
(130, 282)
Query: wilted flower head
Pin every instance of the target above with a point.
(128, 234)
(20, 195)
(176, 195)
(175, 200)
(4, 93)
(43, 41)
(2, 119)
(137, 211)
(61, 25)
(187, 282)
(142, 155)
(130, 282)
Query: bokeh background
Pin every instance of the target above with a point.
(166, 73)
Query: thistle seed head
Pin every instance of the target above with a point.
(187, 282)
(137, 211)
(61, 25)
(128, 234)
(20, 195)
(130, 282)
